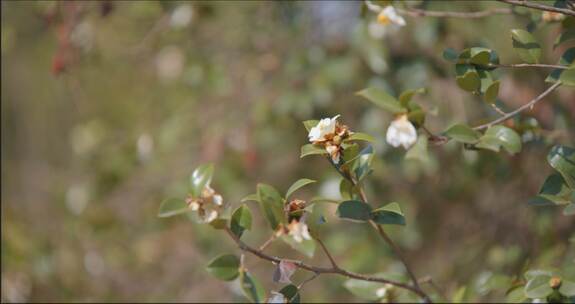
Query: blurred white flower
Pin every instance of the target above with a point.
(208, 205)
(378, 31)
(82, 36)
(334, 152)
(389, 16)
(325, 127)
(145, 145)
(182, 16)
(277, 298)
(298, 230)
(401, 132)
(170, 63)
(77, 198)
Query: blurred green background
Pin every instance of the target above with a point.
(108, 106)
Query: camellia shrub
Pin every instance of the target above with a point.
(349, 152)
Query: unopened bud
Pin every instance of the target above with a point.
(555, 282)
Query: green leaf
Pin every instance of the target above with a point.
(308, 124)
(489, 143)
(480, 56)
(271, 203)
(526, 46)
(363, 289)
(567, 59)
(360, 136)
(562, 159)
(241, 220)
(503, 136)
(346, 189)
(416, 117)
(389, 214)
(291, 293)
(251, 197)
(469, 81)
(569, 209)
(459, 295)
(567, 77)
(298, 184)
(306, 247)
(252, 288)
(224, 267)
(354, 210)
(201, 177)
(463, 133)
(450, 54)
(311, 149)
(405, 97)
(172, 206)
(538, 287)
(567, 287)
(491, 93)
(219, 223)
(553, 192)
(382, 99)
(362, 164)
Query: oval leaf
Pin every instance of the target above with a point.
(507, 138)
(354, 210)
(562, 159)
(172, 206)
(252, 288)
(469, 81)
(224, 267)
(389, 214)
(298, 184)
(241, 220)
(311, 149)
(271, 203)
(492, 92)
(538, 287)
(463, 133)
(382, 99)
(291, 293)
(360, 136)
(526, 46)
(201, 177)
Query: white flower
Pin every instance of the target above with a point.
(298, 230)
(277, 298)
(401, 133)
(390, 16)
(334, 153)
(182, 16)
(325, 127)
(208, 205)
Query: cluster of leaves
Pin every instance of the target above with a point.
(559, 187)
(542, 286)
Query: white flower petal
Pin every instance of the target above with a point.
(401, 133)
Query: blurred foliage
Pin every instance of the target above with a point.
(107, 107)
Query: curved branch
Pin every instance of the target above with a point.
(542, 7)
(324, 270)
(520, 109)
(529, 65)
(415, 12)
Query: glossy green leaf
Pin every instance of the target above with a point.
(297, 185)
(224, 267)
(506, 137)
(538, 287)
(271, 204)
(291, 293)
(469, 81)
(382, 99)
(389, 214)
(553, 192)
(346, 189)
(490, 95)
(450, 54)
(562, 159)
(526, 46)
(201, 177)
(567, 77)
(252, 288)
(354, 210)
(405, 97)
(219, 223)
(360, 136)
(350, 153)
(172, 206)
(306, 247)
(362, 163)
(308, 124)
(489, 143)
(462, 133)
(479, 56)
(241, 220)
(311, 149)
(567, 59)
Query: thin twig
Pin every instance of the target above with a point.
(415, 12)
(326, 251)
(528, 65)
(498, 110)
(324, 270)
(315, 275)
(266, 243)
(520, 109)
(542, 7)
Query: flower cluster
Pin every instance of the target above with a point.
(297, 228)
(401, 132)
(329, 134)
(208, 205)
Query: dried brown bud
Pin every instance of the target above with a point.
(555, 282)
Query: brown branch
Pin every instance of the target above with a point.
(542, 7)
(415, 12)
(520, 109)
(529, 65)
(324, 270)
(267, 242)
